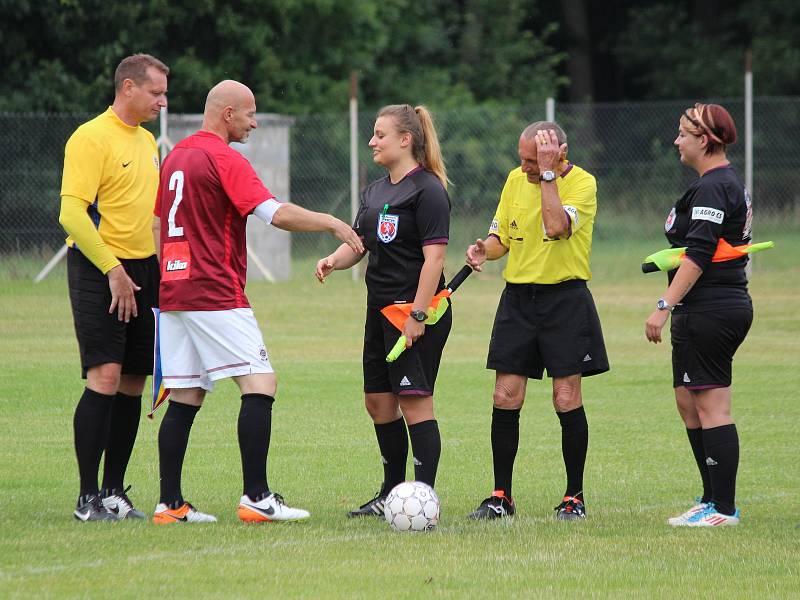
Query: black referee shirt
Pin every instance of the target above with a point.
(716, 206)
(396, 221)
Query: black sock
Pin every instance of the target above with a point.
(696, 440)
(427, 446)
(124, 424)
(90, 425)
(574, 443)
(255, 427)
(505, 441)
(722, 457)
(393, 444)
(173, 437)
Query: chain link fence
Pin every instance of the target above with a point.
(627, 146)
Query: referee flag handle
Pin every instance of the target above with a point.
(459, 278)
(670, 258)
(398, 313)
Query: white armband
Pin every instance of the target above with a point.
(266, 210)
(572, 213)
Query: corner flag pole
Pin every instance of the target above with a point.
(62, 252)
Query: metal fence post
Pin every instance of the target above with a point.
(748, 121)
(163, 143)
(354, 157)
(550, 109)
(748, 135)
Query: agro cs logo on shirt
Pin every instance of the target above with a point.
(706, 213)
(670, 220)
(387, 227)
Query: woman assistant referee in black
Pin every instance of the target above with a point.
(711, 308)
(404, 219)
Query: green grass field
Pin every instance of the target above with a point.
(324, 458)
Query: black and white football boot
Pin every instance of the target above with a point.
(373, 508)
(117, 502)
(90, 508)
(496, 506)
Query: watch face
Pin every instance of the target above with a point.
(547, 176)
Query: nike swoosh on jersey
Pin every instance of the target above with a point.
(124, 165)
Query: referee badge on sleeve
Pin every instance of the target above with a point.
(387, 227)
(670, 220)
(572, 212)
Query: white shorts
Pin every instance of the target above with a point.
(199, 347)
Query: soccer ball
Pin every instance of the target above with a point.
(412, 506)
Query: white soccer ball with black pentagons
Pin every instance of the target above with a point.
(412, 506)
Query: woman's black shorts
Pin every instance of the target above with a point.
(703, 345)
(414, 372)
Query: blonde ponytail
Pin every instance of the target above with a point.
(432, 160)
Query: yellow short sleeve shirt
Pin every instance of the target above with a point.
(113, 167)
(517, 223)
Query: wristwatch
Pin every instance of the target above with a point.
(419, 315)
(548, 176)
(664, 305)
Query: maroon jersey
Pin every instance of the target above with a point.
(206, 191)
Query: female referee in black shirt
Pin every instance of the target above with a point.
(712, 308)
(404, 219)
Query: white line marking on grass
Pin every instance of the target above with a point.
(6, 574)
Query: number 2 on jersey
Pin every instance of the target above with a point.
(176, 184)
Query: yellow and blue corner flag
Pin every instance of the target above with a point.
(160, 393)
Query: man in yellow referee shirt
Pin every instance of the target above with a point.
(546, 318)
(108, 193)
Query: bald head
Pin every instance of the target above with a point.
(228, 93)
(230, 111)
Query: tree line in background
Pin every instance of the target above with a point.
(59, 55)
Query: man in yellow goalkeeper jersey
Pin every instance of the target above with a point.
(108, 193)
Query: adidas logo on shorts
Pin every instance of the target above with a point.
(404, 381)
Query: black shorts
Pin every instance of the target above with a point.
(703, 345)
(102, 338)
(414, 372)
(547, 326)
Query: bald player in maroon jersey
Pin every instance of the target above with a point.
(207, 330)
